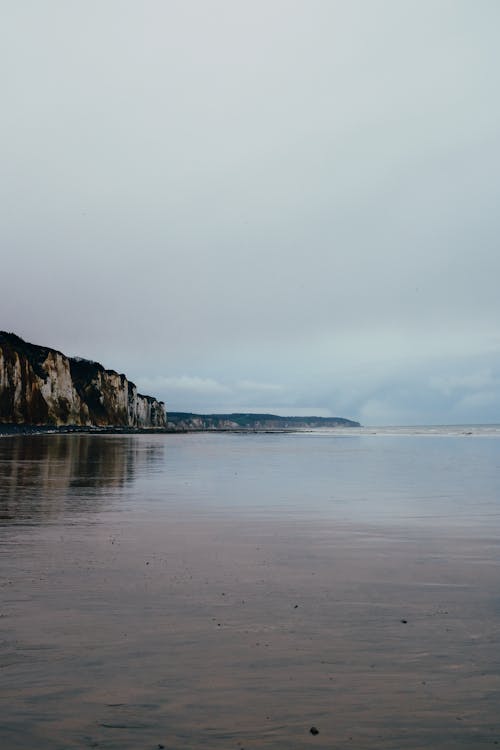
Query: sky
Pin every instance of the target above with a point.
(285, 206)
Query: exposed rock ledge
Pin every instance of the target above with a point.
(41, 386)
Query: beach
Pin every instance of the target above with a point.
(235, 591)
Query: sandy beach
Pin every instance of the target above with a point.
(141, 610)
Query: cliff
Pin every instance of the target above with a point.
(185, 421)
(41, 386)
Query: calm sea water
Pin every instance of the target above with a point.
(233, 591)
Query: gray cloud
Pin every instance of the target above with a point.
(296, 194)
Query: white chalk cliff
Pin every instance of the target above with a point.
(42, 386)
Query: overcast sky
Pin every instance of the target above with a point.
(267, 205)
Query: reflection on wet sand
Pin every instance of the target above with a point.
(42, 476)
(197, 625)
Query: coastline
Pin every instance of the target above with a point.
(29, 429)
(10, 430)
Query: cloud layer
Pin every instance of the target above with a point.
(276, 203)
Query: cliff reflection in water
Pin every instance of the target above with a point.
(43, 476)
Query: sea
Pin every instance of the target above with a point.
(329, 589)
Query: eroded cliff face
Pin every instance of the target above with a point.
(41, 386)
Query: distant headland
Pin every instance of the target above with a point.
(186, 422)
(42, 389)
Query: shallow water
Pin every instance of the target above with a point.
(232, 591)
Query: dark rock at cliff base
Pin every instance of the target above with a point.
(42, 386)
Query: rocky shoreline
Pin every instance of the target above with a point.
(27, 429)
(20, 429)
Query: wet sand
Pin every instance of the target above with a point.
(138, 624)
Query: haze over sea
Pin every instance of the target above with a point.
(233, 591)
